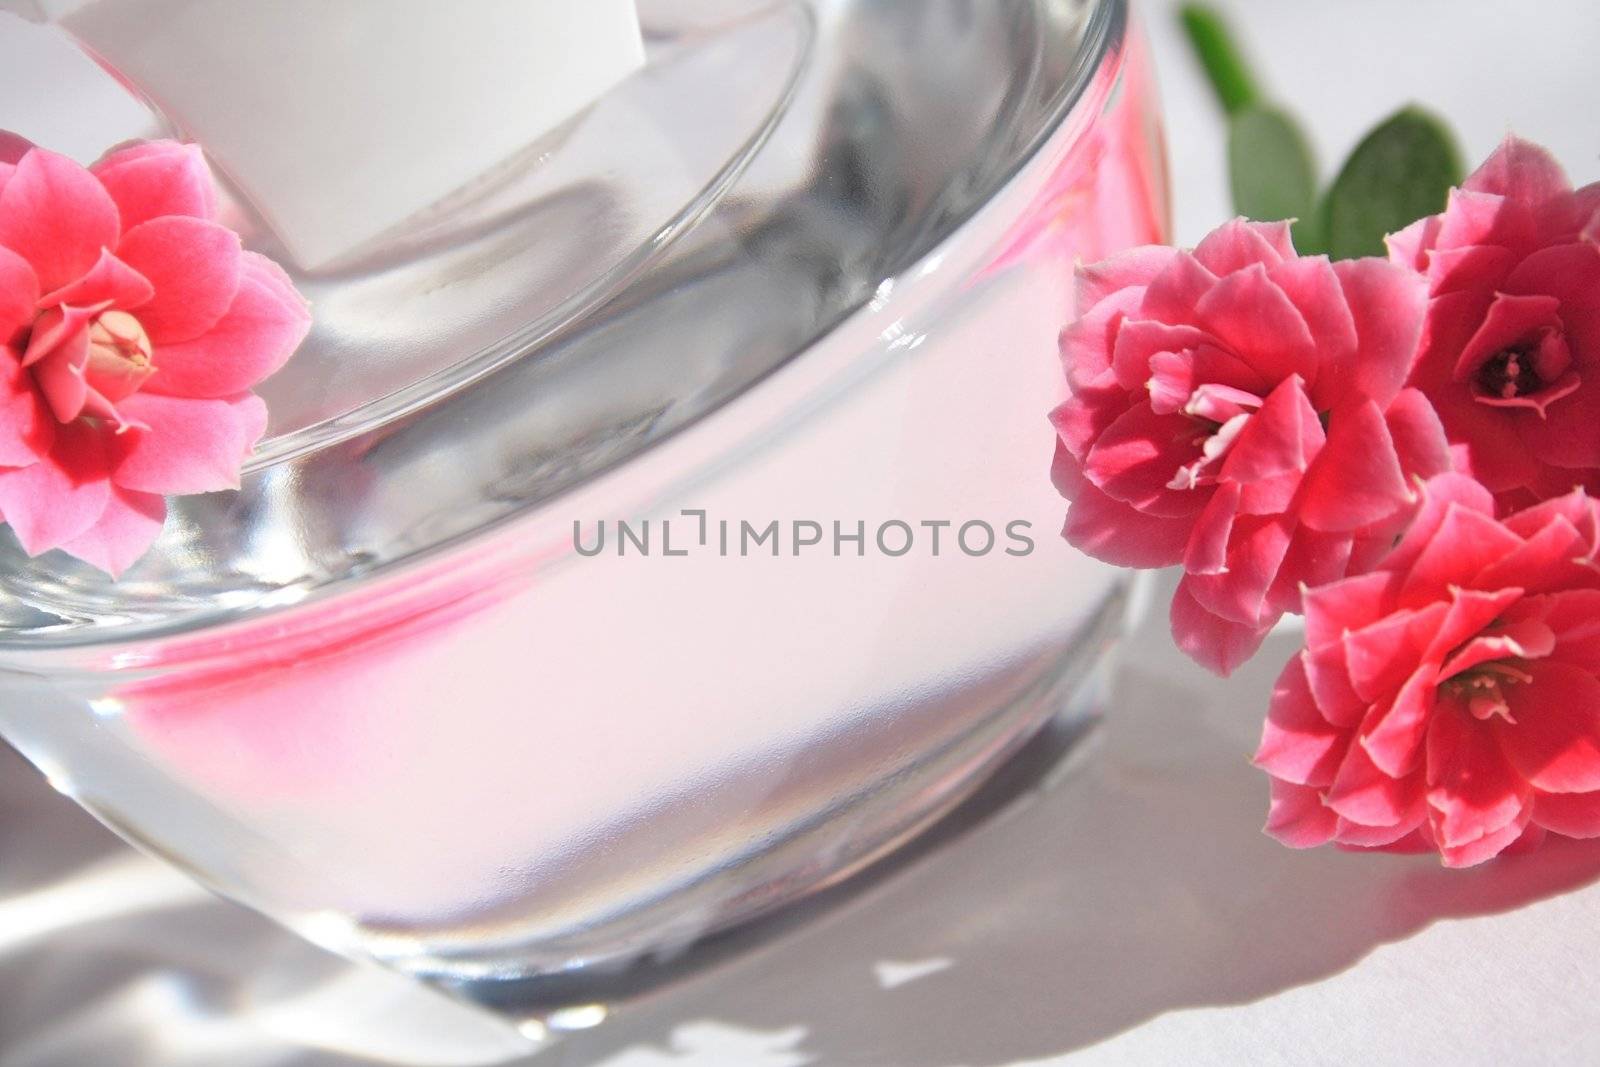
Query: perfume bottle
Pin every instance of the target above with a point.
(657, 525)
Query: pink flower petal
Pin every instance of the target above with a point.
(1217, 366)
(1297, 816)
(1493, 448)
(1329, 678)
(125, 531)
(1112, 531)
(1297, 743)
(1313, 288)
(1134, 268)
(27, 429)
(1276, 495)
(1451, 321)
(1553, 739)
(1394, 740)
(1388, 305)
(1257, 546)
(58, 330)
(1409, 248)
(1172, 381)
(1419, 439)
(1171, 295)
(1465, 543)
(1363, 793)
(1139, 341)
(1256, 322)
(1356, 479)
(1571, 814)
(109, 279)
(1475, 269)
(1581, 511)
(1586, 211)
(1521, 640)
(55, 215)
(1278, 438)
(1472, 789)
(57, 499)
(1211, 641)
(1138, 455)
(13, 146)
(1566, 272)
(1472, 217)
(1313, 559)
(19, 295)
(157, 178)
(190, 446)
(1207, 549)
(1510, 319)
(256, 337)
(1470, 613)
(1350, 604)
(1547, 561)
(1239, 244)
(1439, 495)
(1565, 436)
(1379, 657)
(58, 352)
(1487, 847)
(1401, 837)
(1085, 415)
(1573, 615)
(195, 267)
(1520, 170)
(1087, 342)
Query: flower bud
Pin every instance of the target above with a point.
(119, 356)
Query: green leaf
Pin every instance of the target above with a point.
(1403, 170)
(1272, 171)
(1308, 235)
(1219, 54)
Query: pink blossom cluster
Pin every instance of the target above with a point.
(1399, 449)
(133, 326)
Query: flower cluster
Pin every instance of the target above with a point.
(1511, 352)
(1401, 450)
(1242, 411)
(1451, 696)
(132, 328)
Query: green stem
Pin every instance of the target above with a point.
(1220, 55)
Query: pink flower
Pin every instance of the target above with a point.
(1239, 410)
(132, 327)
(1511, 355)
(1451, 698)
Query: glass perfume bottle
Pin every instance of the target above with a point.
(656, 527)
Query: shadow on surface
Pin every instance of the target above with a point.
(1043, 919)
(1139, 886)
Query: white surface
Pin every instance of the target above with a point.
(343, 134)
(1132, 915)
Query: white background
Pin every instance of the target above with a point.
(1133, 914)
